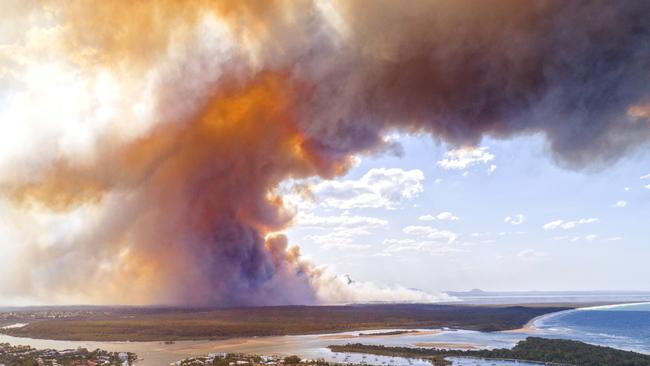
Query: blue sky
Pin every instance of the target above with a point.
(501, 217)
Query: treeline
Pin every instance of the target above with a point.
(135, 324)
(28, 356)
(558, 351)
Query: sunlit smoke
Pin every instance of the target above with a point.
(142, 145)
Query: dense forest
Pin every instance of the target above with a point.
(557, 351)
(149, 324)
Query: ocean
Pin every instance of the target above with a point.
(619, 326)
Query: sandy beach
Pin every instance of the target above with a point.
(380, 334)
(443, 345)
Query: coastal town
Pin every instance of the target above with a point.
(16, 355)
(240, 359)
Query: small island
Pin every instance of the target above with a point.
(387, 333)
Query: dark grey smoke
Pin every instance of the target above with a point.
(461, 70)
(187, 211)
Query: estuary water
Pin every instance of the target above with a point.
(621, 326)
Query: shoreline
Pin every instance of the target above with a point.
(531, 325)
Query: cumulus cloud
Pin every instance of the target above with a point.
(552, 225)
(434, 248)
(491, 169)
(339, 239)
(447, 216)
(427, 217)
(647, 186)
(443, 216)
(311, 220)
(342, 232)
(570, 238)
(378, 188)
(561, 224)
(532, 255)
(647, 176)
(517, 219)
(464, 157)
(620, 204)
(431, 233)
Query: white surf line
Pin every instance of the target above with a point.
(604, 307)
(537, 322)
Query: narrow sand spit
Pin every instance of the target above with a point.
(462, 346)
(380, 334)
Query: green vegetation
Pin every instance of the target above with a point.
(557, 351)
(292, 360)
(160, 324)
(242, 359)
(28, 356)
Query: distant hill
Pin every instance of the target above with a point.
(477, 296)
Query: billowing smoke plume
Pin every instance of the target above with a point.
(142, 143)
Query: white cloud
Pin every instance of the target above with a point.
(491, 169)
(430, 233)
(612, 238)
(552, 225)
(647, 176)
(444, 216)
(591, 237)
(343, 232)
(314, 221)
(532, 255)
(447, 216)
(620, 204)
(567, 238)
(561, 224)
(339, 239)
(426, 217)
(517, 219)
(378, 188)
(626, 189)
(437, 181)
(647, 186)
(464, 157)
(396, 246)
